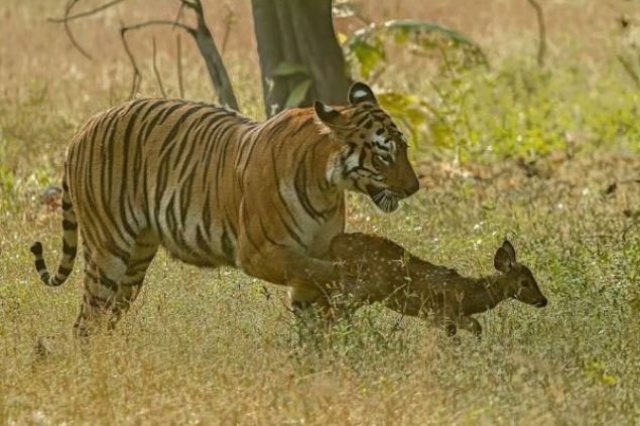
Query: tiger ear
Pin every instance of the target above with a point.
(360, 92)
(325, 113)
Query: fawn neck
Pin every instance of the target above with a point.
(484, 294)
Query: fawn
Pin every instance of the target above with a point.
(375, 269)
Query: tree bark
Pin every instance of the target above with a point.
(270, 52)
(319, 48)
(299, 32)
(215, 66)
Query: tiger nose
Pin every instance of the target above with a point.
(411, 186)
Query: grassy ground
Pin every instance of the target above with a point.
(529, 155)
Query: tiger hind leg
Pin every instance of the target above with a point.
(142, 255)
(111, 286)
(102, 276)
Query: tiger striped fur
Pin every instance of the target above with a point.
(216, 188)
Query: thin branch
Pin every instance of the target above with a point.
(84, 14)
(195, 5)
(211, 55)
(629, 69)
(230, 21)
(155, 69)
(187, 28)
(179, 54)
(542, 32)
(201, 34)
(137, 76)
(364, 19)
(180, 13)
(67, 30)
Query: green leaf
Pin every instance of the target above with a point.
(369, 55)
(341, 37)
(411, 25)
(366, 45)
(285, 69)
(412, 111)
(297, 95)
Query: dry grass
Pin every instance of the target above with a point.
(211, 347)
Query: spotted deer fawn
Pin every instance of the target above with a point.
(375, 269)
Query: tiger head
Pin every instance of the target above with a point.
(373, 158)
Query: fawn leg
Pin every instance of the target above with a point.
(470, 324)
(447, 324)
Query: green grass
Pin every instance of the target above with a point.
(208, 346)
(518, 153)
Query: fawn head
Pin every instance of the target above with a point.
(517, 278)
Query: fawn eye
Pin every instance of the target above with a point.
(525, 283)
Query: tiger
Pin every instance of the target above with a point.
(216, 188)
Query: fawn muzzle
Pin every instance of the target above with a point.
(541, 303)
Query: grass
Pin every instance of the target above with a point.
(525, 154)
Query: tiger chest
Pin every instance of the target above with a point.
(313, 221)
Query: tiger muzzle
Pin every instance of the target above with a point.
(411, 186)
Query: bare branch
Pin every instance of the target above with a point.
(187, 28)
(155, 69)
(137, 76)
(629, 69)
(229, 20)
(180, 13)
(542, 32)
(200, 33)
(179, 55)
(195, 5)
(211, 55)
(84, 14)
(67, 30)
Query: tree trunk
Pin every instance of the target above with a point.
(215, 66)
(298, 32)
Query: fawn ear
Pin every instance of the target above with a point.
(510, 250)
(502, 260)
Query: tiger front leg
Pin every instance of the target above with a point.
(310, 279)
(331, 303)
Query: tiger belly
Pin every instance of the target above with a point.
(195, 240)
